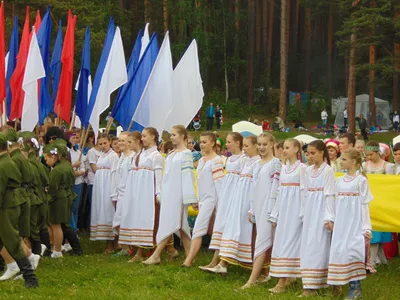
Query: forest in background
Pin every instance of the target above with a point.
(241, 43)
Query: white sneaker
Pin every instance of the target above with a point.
(34, 260)
(44, 248)
(67, 248)
(218, 269)
(10, 274)
(56, 255)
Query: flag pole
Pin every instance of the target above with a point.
(15, 124)
(130, 125)
(72, 121)
(109, 123)
(58, 123)
(37, 129)
(86, 136)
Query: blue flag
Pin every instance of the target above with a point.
(136, 85)
(55, 65)
(12, 62)
(43, 37)
(131, 68)
(83, 84)
(99, 71)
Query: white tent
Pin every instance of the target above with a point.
(396, 140)
(305, 138)
(247, 128)
(362, 101)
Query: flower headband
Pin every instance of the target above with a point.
(35, 143)
(54, 151)
(372, 148)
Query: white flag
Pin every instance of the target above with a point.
(145, 40)
(187, 91)
(34, 70)
(4, 115)
(156, 100)
(114, 76)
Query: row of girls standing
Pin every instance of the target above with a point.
(322, 225)
(127, 202)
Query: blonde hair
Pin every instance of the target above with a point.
(252, 139)
(270, 138)
(182, 131)
(352, 153)
(237, 137)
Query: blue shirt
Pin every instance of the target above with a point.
(210, 112)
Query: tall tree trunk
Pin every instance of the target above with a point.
(372, 61)
(284, 61)
(270, 38)
(250, 56)
(330, 46)
(396, 96)
(147, 11)
(346, 72)
(296, 26)
(258, 26)
(351, 93)
(265, 28)
(237, 45)
(308, 50)
(225, 56)
(288, 12)
(166, 15)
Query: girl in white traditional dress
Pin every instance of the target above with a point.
(124, 216)
(210, 174)
(315, 238)
(234, 165)
(285, 216)
(177, 193)
(145, 199)
(263, 196)
(350, 221)
(103, 203)
(376, 165)
(121, 176)
(235, 247)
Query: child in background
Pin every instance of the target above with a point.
(263, 197)
(115, 145)
(210, 174)
(396, 156)
(350, 221)
(376, 165)
(285, 216)
(279, 150)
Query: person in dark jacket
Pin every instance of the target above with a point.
(210, 113)
(362, 123)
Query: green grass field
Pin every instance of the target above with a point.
(96, 276)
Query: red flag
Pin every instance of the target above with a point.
(2, 61)
(62, 106)
(18, 76)
(38, 21)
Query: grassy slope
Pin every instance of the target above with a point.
(95, 276)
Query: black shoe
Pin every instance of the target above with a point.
(73, 239)
(36, 247)
(29, 276)
(45, 240)
(2, 264)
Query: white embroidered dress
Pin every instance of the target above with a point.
(263, 198)
(102, 212)
(210, 176)
(126, 205)
(285, 261)
(147, 185)
(177, 193)
(121, 176)
(234, 166)
(315, 239)
(235, 245)
(351, 220)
